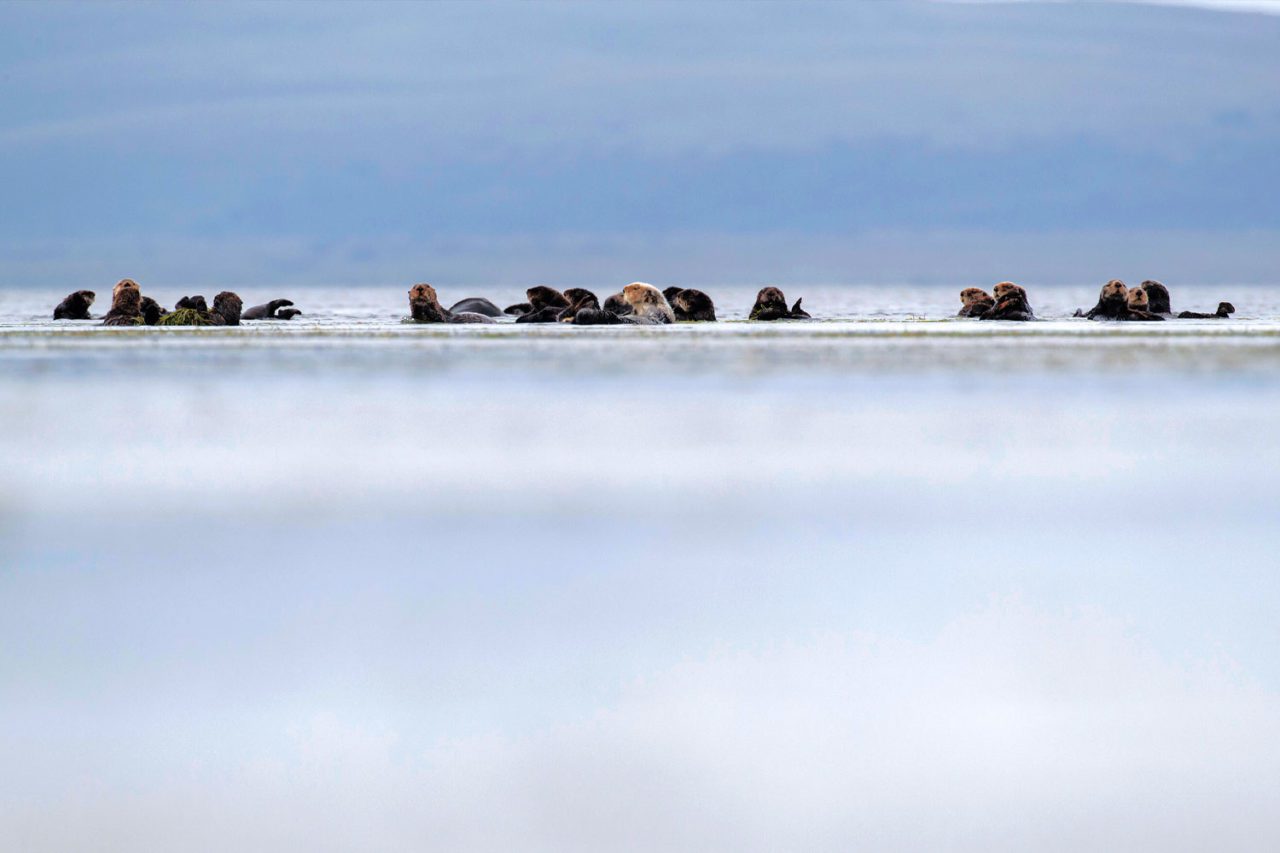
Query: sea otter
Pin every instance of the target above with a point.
(226, 309)
(1113, 302)
(276, 309)
(648, 306)
(518, 309)
(1011, 304)
(771, 304)
(546, 303)
(126, 305)
(1225, 310)
(580, 299)
(1137, 305)
(1157, 297)
(425, 307)
(639, 304)
(975, 302)
(151, 311)
(475, 305)
(692, 305)
(75, 306)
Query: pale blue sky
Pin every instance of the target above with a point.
(369, 143)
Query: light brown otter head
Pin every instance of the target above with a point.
(1138, 300)
(121, 284)
(423, 293)
(1007, 288)
(424, 305)
(647, 301)
(970, 295)
(1114, 291)
(126, 298)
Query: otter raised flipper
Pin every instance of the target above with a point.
(270, 311)
(476, 305)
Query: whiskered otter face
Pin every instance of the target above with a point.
(638, 293)
(1115, 290)
(1138, 300)
(422, 293)
(970, 295)
(770, 294)
(1005, 288)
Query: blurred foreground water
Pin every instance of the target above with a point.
(884, 580)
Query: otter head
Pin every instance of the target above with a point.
(229, 306)
(770, 295)
(86, 296)
(127, 298)
(970, 295)
(545, 297)
(578, 295)
(1157, 297)
(195, 303)
(671, 293)
(1007, 288)
(424, 305)
(638, 295)
(1137, 299)
(1114, 291)
(121, 284)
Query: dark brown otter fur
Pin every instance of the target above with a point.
(75, 306)
(1113, 302)
(226, 309)
(151, 311)
(518, 309)
(270, 311)
(543, 297)
(1157, 297)
(1011, 304)
(425, 307)
(771, 304)
(693, 305)
(975, 302)
(195, 303)
(126, 305)
(1225, 310)
(475, 305)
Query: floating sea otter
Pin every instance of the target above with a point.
(638, 304)
(975, 302)
(276, 309)
(1137, 306)
(1010, 304)
(690, 305)
(75, 306)
(126, 305)
(771, 304)
(194, 311)
(425, 307)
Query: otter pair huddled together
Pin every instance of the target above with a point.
(1148, 301)
(130, 308)
(1008, 303)
(637, 304)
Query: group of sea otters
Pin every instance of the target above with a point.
(636, 304)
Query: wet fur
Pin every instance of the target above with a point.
(75, 306)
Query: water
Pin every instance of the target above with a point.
(885, 579)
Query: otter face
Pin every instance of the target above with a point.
(122, 284)
(422, 293)
(1137, 299)
(1005, 288)
(1114, 291)
(638, 294)
(970, 295)
(87, 296)
(546, 297)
